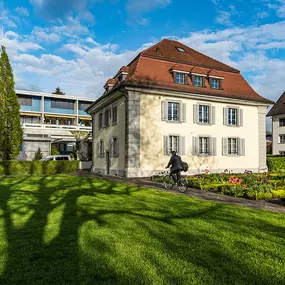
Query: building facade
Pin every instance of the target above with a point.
(277, 114)
(171, 97)
(48, 119)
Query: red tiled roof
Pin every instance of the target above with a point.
(111, 81)
(153, 66)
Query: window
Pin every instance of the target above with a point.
(215, 83)
(282, 152)
(62, 104)
(173, 143)
(30, 120)
(232, 116)
(204, 145)
(101, 148)
(179, 78)
(281, 138)
(115, 114)
(100, 121)
(25, 100)
(204, 114)
(197, 81)
(233, 146)
(83, 105)
(115, 147)
(281, 122)
(85, 123)
(180, 49)
(173, 111)
(107, 118)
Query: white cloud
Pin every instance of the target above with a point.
(22, 11)
(135, 6)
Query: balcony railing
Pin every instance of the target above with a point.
(62, 127)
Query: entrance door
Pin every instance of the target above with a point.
(107, 162)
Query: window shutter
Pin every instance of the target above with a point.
(225, 146)
(240, 117)
(195, 113)
(241, 146)
(186, 79)
(203, 81)
(174, 76)
(213, 144)
(118, 148)
(103, 119)
(98, 149)
(182, 145)
(166, 145)
(183, 115)
(192, 79)
(99, 122)
(111, 147)
(225, 116)
(213, 115)
(220, 84)
(163, 109)
(103, 149)
(210, 82)
(195, 146)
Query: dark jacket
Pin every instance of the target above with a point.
(175, 162)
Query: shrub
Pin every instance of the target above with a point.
(276, 163)
(15, 167)
(38, 155)
(54, 151)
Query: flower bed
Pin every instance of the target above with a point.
(247, 185)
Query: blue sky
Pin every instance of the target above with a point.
(79, 44)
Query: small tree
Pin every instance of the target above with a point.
(11, 133)
(54, 150)
(58, 91)
(38, 155)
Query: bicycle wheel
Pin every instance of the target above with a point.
(183, 185)
(168, 182)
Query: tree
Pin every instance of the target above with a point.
(11, 133)
(54, 150)
(38, 155)
(81, 144)
(58, 91)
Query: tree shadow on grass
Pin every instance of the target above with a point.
(73, 228)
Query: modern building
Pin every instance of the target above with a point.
(48, 119)
(277, 114)
(171, 97)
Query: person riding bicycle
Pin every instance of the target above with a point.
(176, 166)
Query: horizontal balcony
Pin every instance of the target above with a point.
(51, 127)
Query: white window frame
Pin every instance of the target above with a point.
(216, 84)
(170, 103)
(281, 139)
(201, 120)
(230, 118)
(231, 146)
(204, 144)
(179, 78)
(172, 146)
(200, 82)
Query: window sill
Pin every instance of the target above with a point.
(175, 122)
(204, 124)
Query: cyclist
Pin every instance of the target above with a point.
(176, 166)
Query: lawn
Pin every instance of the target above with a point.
(76, 230)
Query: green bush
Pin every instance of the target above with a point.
(276, 163)
(15, 167)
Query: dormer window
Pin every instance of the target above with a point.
(215, 83)
(198, 81)
(179, 78)
(180, 49)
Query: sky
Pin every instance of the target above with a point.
(79, 44)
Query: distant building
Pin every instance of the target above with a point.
(277, 114)
(47, 119)
(171, 97)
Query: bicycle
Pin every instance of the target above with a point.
(169, 182)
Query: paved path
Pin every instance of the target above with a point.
(271, 205)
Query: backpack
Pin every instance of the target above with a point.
(185, 166)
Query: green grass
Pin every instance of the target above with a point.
(75, 230)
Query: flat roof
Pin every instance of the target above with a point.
(50, 95)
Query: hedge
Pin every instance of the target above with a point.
(276, 163)
(16, 167)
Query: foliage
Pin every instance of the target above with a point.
(11, 133)
(81, 144)
(276, 163)
(54, 150)
(38, 155)
(15, 167)
(58, 91)
(63, 229)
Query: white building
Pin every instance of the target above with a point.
(171, 97)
